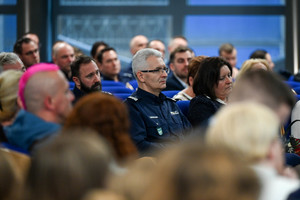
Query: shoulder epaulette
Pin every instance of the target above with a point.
(171, 99)
(133, 98)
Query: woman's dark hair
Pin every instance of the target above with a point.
(208, 76)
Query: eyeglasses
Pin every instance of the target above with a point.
(159, 70)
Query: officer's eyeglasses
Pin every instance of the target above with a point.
(158, 70)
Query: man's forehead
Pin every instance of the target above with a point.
(88, 68)
(30, 45)
(154, 60)
(183, 54)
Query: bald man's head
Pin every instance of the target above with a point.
(138, 42)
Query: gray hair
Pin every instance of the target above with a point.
(139, 60)
(9, 58)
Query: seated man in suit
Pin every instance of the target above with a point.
(156, 120)
(179, 61)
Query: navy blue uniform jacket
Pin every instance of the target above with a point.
(155, 121)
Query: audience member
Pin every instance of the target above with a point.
(9, 182)
(267, 88)
(137, 43)
(86, 76)
(9, 81)
(176, 42)
(253, 64)
(179, 61)
(109, 117)
(212, 86)
(159, 46)
(9, 84)
(110, 67)
(263, 54)
(188, 93)
(63, 55)
(9, 60)
(69, 167)
(45, 96)
(33, 37)
(28, 51)
(193, 171)
(229, 53)
(133, 184)
(250, 131)
(155, 119)
(102, 195)
(97, 47)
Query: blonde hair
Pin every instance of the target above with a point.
(247, 129)
(250, 65)
(9, 85)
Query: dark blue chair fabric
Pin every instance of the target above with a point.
(71, 85)
(292, 159)
(122, 96)
(115, 89)
(170, 93)
(134, 84)
(293, 84)
(106, 83)
(14, 148)
(184, 106)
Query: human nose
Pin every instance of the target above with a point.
(96, 78)
(228, 79)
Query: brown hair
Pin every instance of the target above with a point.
(68, 167)
(194, 172)
(193, 66)
(108, 116)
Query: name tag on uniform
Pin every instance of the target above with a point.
(153, 117)
(159, 131)
(174, 113)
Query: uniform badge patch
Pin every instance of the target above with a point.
(159, 130)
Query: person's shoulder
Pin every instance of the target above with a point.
(171, 99)
(133, 98)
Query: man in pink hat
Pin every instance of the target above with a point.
(46, 101)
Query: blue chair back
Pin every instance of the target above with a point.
(291, 78)
(134, 84)
(71, 85)
(293, 84)
(106, 83)
(122, 96)
(297, 90)
(184, 106)
(14, 148)
(115, 89)
(170, 93)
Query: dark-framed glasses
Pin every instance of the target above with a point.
(158, 70)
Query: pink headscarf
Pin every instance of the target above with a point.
(40, 67)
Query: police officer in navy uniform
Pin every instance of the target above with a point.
(156, 120)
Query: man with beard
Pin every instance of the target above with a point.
(179, 61)
(86, 76)
(156, 120)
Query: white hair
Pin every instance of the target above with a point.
(139, 61)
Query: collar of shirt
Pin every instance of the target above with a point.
(142, 94)
(184, 84)
(217, 99)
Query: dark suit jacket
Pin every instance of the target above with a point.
(173, 83)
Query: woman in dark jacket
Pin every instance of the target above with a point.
(212, 86)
